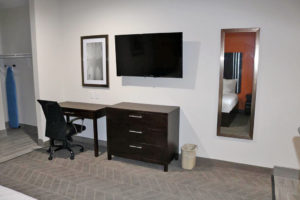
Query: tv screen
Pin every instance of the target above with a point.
(154, 55)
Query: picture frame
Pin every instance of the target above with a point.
(94, 61)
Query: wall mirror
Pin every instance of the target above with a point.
(237, 89)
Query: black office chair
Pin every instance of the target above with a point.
(57, 129)
(248, 104)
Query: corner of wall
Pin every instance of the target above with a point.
(2, 118)
(39, 114)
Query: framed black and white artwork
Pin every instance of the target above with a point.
(94, 60)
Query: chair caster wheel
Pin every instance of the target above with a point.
(50, 158)
(81, 150)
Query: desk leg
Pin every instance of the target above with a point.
(95, 137)
(68, 118)
(165, 167)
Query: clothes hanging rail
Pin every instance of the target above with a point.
(10, 65)
(18, 55)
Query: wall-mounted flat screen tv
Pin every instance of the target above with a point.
(152, 55)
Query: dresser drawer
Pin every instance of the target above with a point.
(137, 151)
(77, 113)
(137, 118)
(138, 134)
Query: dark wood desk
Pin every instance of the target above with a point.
(85, 110)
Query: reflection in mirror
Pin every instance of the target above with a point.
(237, 90)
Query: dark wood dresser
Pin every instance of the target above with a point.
(143, 132)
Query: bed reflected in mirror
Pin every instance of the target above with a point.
(237, 90)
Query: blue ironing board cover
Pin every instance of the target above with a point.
(11, 94)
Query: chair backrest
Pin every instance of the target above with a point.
(55, 121)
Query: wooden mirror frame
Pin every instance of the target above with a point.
(255, 72)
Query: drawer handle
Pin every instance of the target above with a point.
(138, 132)
(136, 116)
(136, 147)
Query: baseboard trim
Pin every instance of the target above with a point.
(226, 164)
(85, 140)
(28, 125)
(286, 172)
(204, 161)
(3, 132)
(283, 173)
(43, 144)
(89, 141)
(21, 125)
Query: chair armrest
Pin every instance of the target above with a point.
(75, 119)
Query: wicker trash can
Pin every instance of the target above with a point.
(188, 152)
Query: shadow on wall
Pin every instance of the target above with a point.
(187, 132)
(191, 54)
(296, 141)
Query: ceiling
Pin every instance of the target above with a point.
(12, 3)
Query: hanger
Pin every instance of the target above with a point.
(9, 65)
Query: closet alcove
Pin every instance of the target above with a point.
(15, 50)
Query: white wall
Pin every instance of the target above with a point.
(47, 53)
(16, 38)
(277, 105)
(15, 30)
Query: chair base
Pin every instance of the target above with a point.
(66, 145)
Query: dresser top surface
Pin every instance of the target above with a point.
(145, 107)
